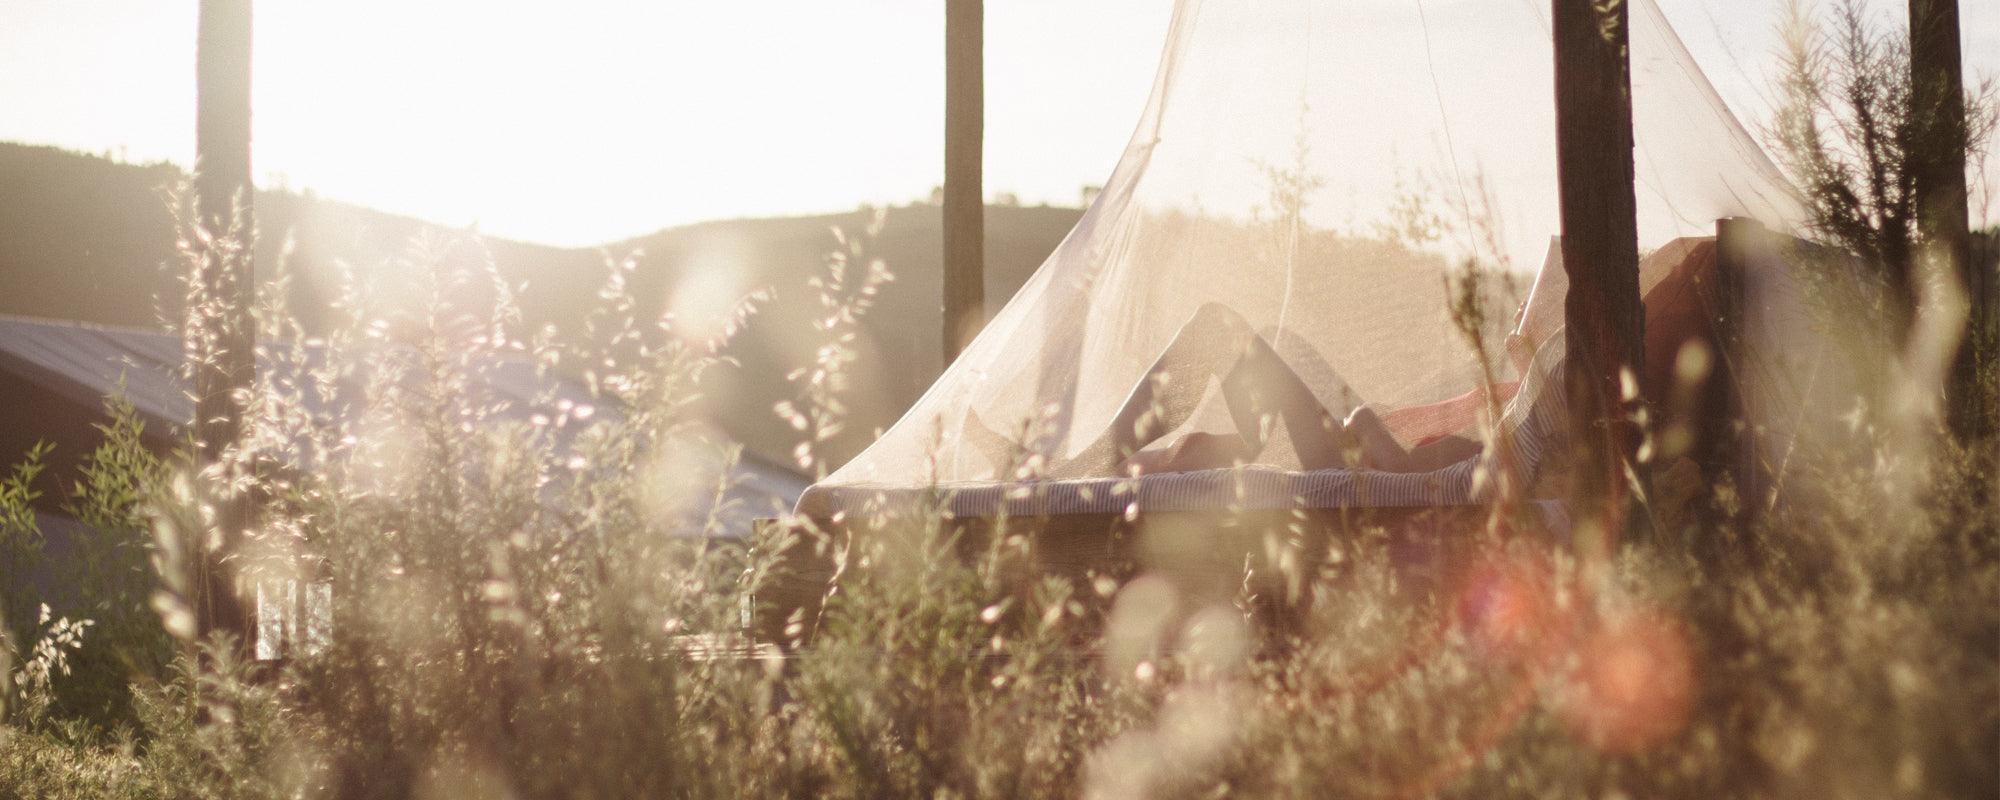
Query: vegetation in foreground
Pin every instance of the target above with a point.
(523, 609)
(517, 611)
(485, 643)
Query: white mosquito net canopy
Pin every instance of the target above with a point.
(1315, 169)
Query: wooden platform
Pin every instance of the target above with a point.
(1270, 558)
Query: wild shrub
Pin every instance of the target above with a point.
(520, 598)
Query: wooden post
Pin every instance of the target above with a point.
(1730, 448)
(224, 196)
(1937, 101)
(1600, 249)
(1983, 274)
(964, 201)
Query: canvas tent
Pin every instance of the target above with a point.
(1319, 169)
(55, 377)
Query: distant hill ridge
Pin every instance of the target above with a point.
(86, 238)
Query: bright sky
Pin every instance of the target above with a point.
(591, 120)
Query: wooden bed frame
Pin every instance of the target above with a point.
(1265, 559)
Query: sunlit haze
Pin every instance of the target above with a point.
(590, 121)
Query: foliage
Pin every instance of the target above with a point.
(33, 683)
(1848, 130)
(20, 544)
(110, 570)
(521, 600)
(511, 614)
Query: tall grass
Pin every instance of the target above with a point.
(515, 612)
(524, 602)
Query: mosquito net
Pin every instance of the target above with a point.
(1304, 180)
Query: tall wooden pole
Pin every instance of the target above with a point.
(1937, 99)
(1600, 249)
(223, 208)
(964, 202)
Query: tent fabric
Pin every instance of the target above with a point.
(86, 363)
(1322, 170)
(1537, 427)
(91, 362)
(1534, 417)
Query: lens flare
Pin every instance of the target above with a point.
(1634, 685)
(1508, 607)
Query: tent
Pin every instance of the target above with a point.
(1320, 171)
(55, 376)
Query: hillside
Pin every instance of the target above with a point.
(90, 239)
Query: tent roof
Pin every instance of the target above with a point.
(86, 363)
(1326, 174)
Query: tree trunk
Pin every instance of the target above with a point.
(1937, 99)
(223, 206)
(1600, 250)
(964, 203)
